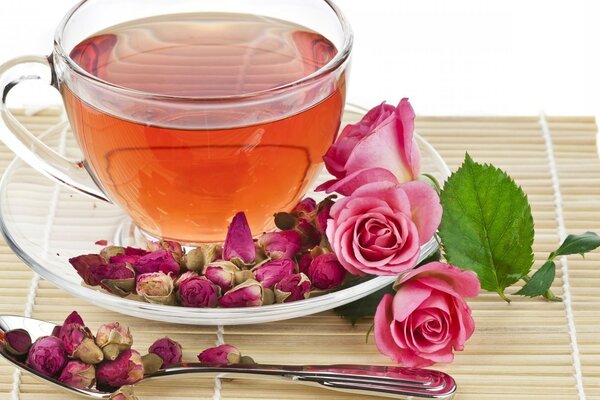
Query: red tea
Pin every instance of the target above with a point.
(186, 183)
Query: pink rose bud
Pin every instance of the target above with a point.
(159, 260)
(130, 255)
(323, 215)
(78, 375)
(117, 278)
(168, 350)
(305, 208)
(428, 318)
(126, 369)
(326, 272)
(201, 256)
(304, 263)
(223, 354)
(172, 247)
(238, 242)
(277, 245)
(109, 252)
(79, 343)
(183, 277)
(113, 339)
(382, 141)
(47, 356)
(86, 265)
(156, 288)
(309, 235)
(292, 288)
(73, 318)
(271, 272)
(198, 291)
(247, 294)
(221, 274)
(17, 342)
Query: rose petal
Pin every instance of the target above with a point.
(407, 300)
(425, 207)
(347, 185)
(463, 283)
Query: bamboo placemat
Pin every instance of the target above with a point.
(529, 349)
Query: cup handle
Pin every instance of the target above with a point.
(28, 147)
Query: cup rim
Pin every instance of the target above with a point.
(338, 61)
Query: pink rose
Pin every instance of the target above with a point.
(382, 140)
(378, 230)
(428, 318)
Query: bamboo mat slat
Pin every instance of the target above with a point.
(519, 351)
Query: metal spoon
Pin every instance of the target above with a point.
(391, 382)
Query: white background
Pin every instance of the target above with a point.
(451, 57)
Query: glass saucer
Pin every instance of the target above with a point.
(46, 223)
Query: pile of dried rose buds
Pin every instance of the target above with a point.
(77, 358)
(279, 267)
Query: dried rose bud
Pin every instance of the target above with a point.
(79, 343)
(159, 260)
(130, 255)
(78, 374)
(126, 369)
(323, 215)
(201, 256)
(86, 265)
(156, 288)
(309, 235)
(222, 274)
(113, 339)
(111, 251)
(47, 356)
(74, 318)
(172, 247)
(326, 272)
(152, 363)
(238, 242)
(304, 262)
(284, 221)
(17, 342)
(223, 354)
(168, 350)
(306, 207)
(124, 393)
(242, 276)
(271, 272)
(117, 278)
(292, 288)
(248, 294)
(198, 291)
(278, 245)
(56, 330)
(183, 277)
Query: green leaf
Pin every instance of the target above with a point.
(577, 244)
(487, 225)
(540, 282)
(364, 307)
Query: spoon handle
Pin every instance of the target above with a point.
(390, 382)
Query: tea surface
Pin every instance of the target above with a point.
(186, 184)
